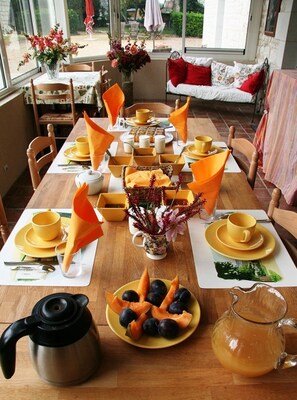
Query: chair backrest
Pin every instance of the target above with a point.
(159, 109)
(248, 150)
(4, 230)
(37, 159)
(77, 67)
(105, 84)
(52, 93)
(134, 29)
(287, 219)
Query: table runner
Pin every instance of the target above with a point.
(204, 257)
(10, 253)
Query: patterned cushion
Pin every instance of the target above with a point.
(243, 71)
(222, 74)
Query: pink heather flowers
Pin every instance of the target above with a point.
(151, 216)
(50, 49)
(130, 58)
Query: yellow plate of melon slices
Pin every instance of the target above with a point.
(146, 341)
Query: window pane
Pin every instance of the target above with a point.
(89, 26)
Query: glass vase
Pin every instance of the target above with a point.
(52, 70)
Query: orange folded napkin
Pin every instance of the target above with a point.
(179, 119)
(143, 178)
(208, 174)
(84, 225)
(114, 99)
(99, 141)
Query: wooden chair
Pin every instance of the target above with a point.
(53, 93)
(286, 219)
(37, 159)
(159, 109)
(250, 164)
(77, 67)
(4, 230)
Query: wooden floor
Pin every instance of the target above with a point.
(222, 115)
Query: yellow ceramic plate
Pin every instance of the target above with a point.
(263, 251)
(134, 122)
(72, 154)
(22, 245)
(192, 152)
(35, 241)
(256, 241)
(150, 342)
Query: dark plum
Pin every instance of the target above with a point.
(168, 328)
(150, 327)
(154, 298)
(127, 315)
(130, 295)
(177, 307)
(182, 294)
(158, 286)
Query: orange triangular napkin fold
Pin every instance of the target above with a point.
(113, 99)
(99, 141)
(84, 225)
(179, 119)
(208, 174)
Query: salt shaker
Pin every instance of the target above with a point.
(144, 141)
(128, 143)
(160, 143)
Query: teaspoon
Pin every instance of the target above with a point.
(47, 268)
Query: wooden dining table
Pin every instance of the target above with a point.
(188, 370)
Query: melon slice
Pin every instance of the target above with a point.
(134, 329)
(168, 299)
(183, 320)
(143, 285)
(117, 304)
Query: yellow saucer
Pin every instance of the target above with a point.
(25, 248)
(256, 241)
(73, 155)
(263, 251)
(192, 152)
(149, 342)
(35, 241)
(134, 122)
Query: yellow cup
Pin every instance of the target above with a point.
(143, 114)
(46, 225)
(203, 144)
(82, 145)
(241, 227)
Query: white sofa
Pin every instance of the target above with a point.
(226, 82)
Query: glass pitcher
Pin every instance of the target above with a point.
(248, 338)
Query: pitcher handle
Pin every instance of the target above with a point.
(287, 360)
(139, 233)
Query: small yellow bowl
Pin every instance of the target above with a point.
(116, 163)
(182, 198)
(144, 156)
(165, 159)
(112, 206)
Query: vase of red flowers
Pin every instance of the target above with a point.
(128, 59)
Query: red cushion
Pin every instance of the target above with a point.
(177, 70)
(253, 83)
(198, 75)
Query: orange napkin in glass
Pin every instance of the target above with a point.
(208, 174)
(99, 141)
(143, 178)
(179, 119)
(114, 99)
(84, 225)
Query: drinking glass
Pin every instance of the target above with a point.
(75, 267)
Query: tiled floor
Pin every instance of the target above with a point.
(222, 115)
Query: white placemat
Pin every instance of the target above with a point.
(62, 165)
(205, 258)
(10, 253)
(231, 164)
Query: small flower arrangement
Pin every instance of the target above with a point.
(50, 49)
(129, 58)
(150, 216)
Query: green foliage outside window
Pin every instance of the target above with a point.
(194, 25)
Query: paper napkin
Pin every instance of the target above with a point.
(99, 141)
(179, 119)
(114, 99)
(208, 174)
(84, 225)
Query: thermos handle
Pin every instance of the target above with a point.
(10, 336)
